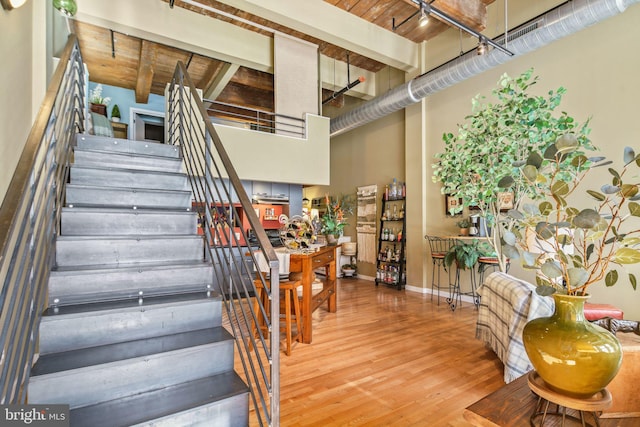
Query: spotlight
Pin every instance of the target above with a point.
(482, 47)
(424, 18)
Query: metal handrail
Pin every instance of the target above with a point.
(30, 218)
(259, 120)
(213, 181)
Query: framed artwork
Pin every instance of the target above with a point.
(505, 201)
(452, 202)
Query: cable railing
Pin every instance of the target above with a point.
(214, 181)
(258, 120)
(30, 218)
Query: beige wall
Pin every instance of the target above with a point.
(599, 70)
(16, 111)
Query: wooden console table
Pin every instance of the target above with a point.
(513, 405)
(325, 258)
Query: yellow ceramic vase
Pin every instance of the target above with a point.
(572, 355)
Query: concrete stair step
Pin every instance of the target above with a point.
(91, 284)
(104, 221)
(74, 251)
(74, 327)
(90, 376)
(106, 158)
(145, 198)
(128, 178)
(218, 401)
(127, 146)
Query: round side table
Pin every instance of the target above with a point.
(546, 396)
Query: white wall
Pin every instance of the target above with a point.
(16, 112)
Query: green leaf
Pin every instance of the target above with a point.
(545, 290)
(550, 152)
(530, 172)
(632, 279)
(567, 143)
(614, 173)
(587, 218)
(626, 256)
(634, 208)
(628, 190)
(611, 278)
(551, 269)
(544, 230)
(535, 160)
(560, 188)
(596, 195)
(579, 161)
(545, 208)
(510, 251)
(589, 252)
(506, 182)
(577, 276)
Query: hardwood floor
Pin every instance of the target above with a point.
(387, 358)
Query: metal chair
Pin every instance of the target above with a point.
(487, 262)
(439, 246)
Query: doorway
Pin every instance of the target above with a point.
(146, 125)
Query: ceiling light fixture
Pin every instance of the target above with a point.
(12, 4)
(482, 46)
(424, 17)
(427, 9)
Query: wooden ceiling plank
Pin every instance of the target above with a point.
(472, 13)
(148, 58)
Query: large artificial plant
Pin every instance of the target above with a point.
(519, 146)
(494, 138)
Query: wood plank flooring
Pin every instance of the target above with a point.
(387, 358)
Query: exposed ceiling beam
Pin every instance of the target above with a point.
(219, 81)
(336, 26)
(146, 67)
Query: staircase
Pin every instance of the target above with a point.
(133, 334)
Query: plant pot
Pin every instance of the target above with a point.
(464, 231)
(331, 240)
(98, 108)
(115, 119)
(573, 356)
(348, 272)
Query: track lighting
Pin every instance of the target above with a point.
(12, 4)
(424, 17)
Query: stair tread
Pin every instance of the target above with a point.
(131, 303)
(92, 356)
(129, 189)
(128, 169)
(129, 237)
(160, 403)
(129, 154)
(127, 211)
(137, 266)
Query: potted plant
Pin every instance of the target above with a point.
(333, 220)
(98, 102)
(519, 145)
(495, 138)
(115, 113)
(464, 225)
(349, 269)
(466, 254)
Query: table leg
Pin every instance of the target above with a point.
(330, 272)
(307, 282)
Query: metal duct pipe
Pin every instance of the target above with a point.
(560, 22)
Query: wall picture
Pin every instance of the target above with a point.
(452, 202)
(505, 201)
